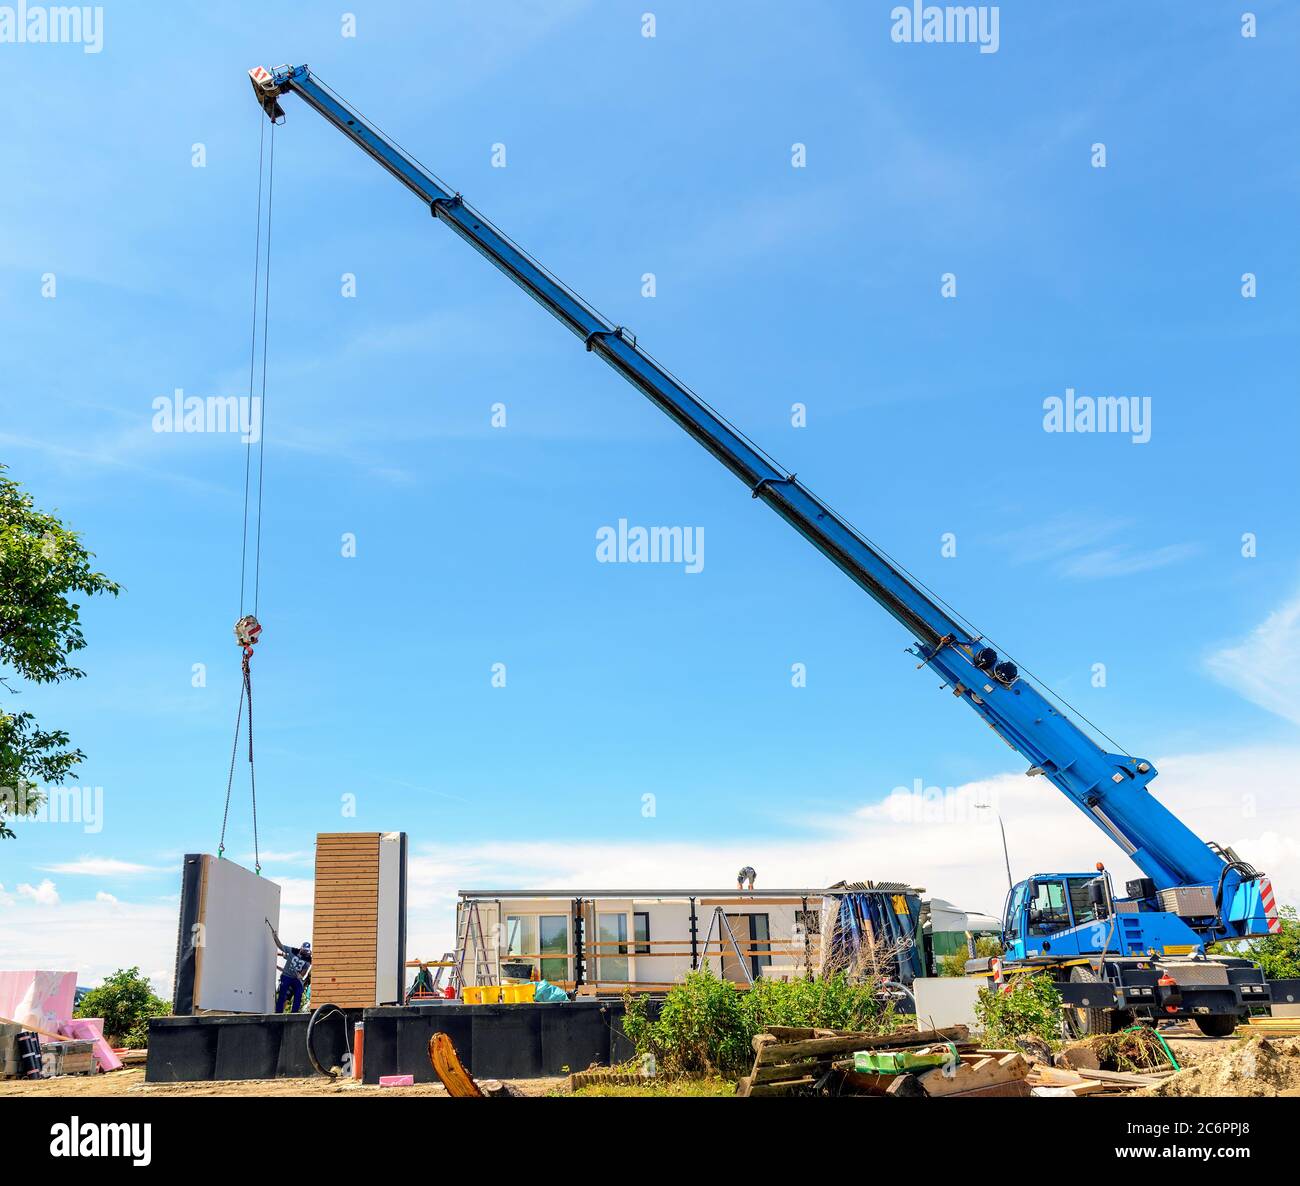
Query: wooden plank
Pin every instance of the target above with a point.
(783, 1072)
(780, 1088)
(988, 1072)
(851, 1043)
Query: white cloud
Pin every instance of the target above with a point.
(100, 867)
(1264, 667)
(1122, 561)
(1084, 548)
(93, 938)
(1248, 798)
(101, 896)
(43, 895)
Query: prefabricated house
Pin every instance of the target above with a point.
(598, 941)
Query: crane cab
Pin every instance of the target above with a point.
(1057, 915)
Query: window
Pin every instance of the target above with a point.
(611, 958)
(1080, 904)
(808, 922)
(641, 932)
(1047, 911)
(1015, 903)
(553, 930)
(521, 936)
(761, 937)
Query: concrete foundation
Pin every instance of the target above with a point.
(493, 1041)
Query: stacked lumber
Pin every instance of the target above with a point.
(803, 1061)
(1089, 1081)
(1271, 1027)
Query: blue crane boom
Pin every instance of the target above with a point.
(1110, 788)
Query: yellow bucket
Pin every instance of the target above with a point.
(518, 994)
(480, 994)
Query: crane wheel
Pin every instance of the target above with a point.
(1087, 1023)
(1217, 1025)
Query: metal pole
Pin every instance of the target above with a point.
(1006, 857)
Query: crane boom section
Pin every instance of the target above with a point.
(1110, 788)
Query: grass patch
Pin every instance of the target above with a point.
(710, 1086)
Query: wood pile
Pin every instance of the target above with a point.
(1047, 1080)
(796, 1061)
(1271, 1027)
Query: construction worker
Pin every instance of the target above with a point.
(297, 966)
(745, 878)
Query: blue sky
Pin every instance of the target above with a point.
(774, 285)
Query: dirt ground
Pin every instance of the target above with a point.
(130, 1082)
(1229, 1069)
(1226, 1067)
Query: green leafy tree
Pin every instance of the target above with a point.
(125, 1001)
(43, 565)
(1278, 956)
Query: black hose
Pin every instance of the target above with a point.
(317, 1014)
(1248, 873)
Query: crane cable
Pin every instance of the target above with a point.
(248, 629)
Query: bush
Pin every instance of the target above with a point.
(1031, 1008)
(834, 1003)
(125, 1001)
(707, 1025)
(954, 963)
(701, 1028)
(1278, 956)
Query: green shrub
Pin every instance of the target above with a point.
(706, 1025)
(954, 963)
(1278, 956)
(125, 1001)
(1031, 1008)
(835, 1003)
(700, 1030)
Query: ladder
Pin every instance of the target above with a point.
(719, 920)
(482, 964)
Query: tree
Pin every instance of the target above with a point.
(125, 1001)
(1278, 955)
(42, 565)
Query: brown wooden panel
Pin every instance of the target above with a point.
(345, 930)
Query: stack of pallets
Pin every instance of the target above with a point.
(798, 1061)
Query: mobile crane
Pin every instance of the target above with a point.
(1114, 958)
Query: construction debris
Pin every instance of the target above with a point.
(947, 1064)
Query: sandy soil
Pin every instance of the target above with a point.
(1254, 1067)
(130, 1082)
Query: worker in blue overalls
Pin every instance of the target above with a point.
(297, 964)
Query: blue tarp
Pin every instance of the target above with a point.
(893, 918)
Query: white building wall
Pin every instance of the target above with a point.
(668, 959)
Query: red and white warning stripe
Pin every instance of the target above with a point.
(1270, 906)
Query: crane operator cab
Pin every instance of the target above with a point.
(1058, 915)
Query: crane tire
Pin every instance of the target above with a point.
(1216, 1025)
(1087, 1023)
